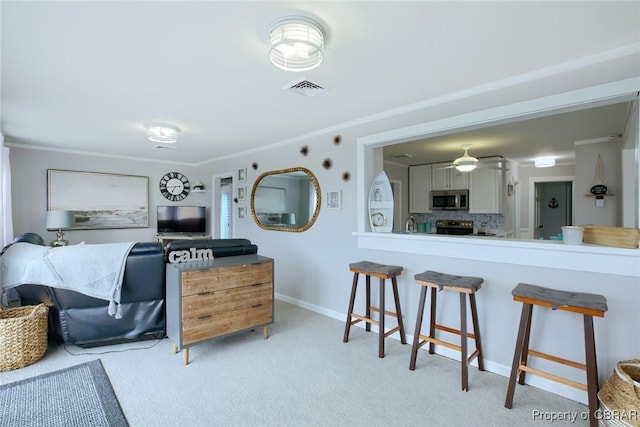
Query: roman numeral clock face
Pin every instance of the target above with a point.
(174, 186)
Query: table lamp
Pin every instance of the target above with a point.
(59, 220)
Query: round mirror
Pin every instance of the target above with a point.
(286, 199)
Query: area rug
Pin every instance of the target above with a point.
(81, 395)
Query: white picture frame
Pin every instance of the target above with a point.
(242, 213)
(242, 193)
(242, 175)
(334, 199)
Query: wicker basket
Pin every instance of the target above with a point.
(620, 396)
(23, 336)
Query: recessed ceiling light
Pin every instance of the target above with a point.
(544, 162)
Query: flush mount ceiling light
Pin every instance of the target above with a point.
(296, 44)
(162, 132)
(466, 163)
(544, 162)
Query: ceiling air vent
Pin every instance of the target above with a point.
(305, 88)
(165, 147)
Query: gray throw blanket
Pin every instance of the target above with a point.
(93, 270)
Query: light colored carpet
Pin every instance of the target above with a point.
(303, 375)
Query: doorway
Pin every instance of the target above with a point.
(553, 207)
(222, 207)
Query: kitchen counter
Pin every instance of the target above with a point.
(537, 253)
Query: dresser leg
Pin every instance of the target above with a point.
(186, 355)
(265, 332)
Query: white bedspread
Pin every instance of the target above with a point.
(94, 270)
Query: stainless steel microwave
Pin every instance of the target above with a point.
(455, 200)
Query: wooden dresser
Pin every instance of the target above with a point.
(210, 299)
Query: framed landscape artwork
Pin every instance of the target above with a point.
(100, 200)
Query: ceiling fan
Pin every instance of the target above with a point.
(467, 163)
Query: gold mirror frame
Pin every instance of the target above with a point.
(316, 209)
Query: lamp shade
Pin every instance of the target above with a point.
(60, 219)
(296, 44)
(465, 167)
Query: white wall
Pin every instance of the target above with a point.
(586, 211)
(29, 188)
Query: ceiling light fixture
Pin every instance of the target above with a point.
(296, 44)
(466, 163)
(162, 132)
(544, 162)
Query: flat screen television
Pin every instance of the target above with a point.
(182, 219)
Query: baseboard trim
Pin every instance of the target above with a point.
(496, 368)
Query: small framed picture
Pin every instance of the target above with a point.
(334, 199)
(242, 212)
(242, 193)
(242, 175)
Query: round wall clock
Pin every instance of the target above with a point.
(378, 219)
(174, 186)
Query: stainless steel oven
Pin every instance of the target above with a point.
(454, 227)
(454, 200)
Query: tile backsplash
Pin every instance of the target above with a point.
(490, 223)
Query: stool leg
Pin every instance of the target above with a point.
(592, 369)
(463, 342)
(347, 325)
(476, 329)
(432, 320)
(416, 331)
(367, 325)
(381, 320)
(525, 348)
(525, 325)
(394, 284)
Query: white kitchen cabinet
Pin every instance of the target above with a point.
(444, 177)
(419, 188)
(485, 190)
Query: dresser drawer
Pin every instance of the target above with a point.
(214, 303)
(204, 281)
(211, 326)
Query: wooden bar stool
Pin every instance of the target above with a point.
(464, 285)
(588, 305)
(382, 272)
